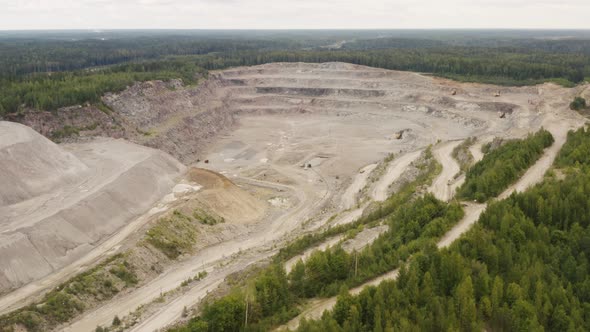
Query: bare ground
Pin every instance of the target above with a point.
(54, 229)
(533, 176)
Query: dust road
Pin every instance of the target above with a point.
(535, 174)
(360, 180)
(349, 216)
(442, 188)
(394, 171)
(260, 240)
(307, 253)
(340, 118)
(472, 213)
(475, 150)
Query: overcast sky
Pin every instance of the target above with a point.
(293, 14)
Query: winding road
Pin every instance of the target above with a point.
(394, 171)
(533, 176)
(249, 248)
(443, 187)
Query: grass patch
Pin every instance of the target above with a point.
(173, 235)
(64, 132)
(206, 219)
(71, 298)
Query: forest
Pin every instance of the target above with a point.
(273, 295)
(523, 267)
(57, 69)
(487, 65)
(50, 92)
(502, 166)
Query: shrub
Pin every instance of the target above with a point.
(578, 104)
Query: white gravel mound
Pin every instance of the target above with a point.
(31, 164)
(59, 202)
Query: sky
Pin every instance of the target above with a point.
(293, 14)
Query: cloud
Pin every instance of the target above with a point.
(283, 14)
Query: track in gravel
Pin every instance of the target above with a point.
(260, 241)
(394, 171)
(443, 186)
(349, 198)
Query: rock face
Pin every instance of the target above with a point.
(176, 119)
(59, 202)
(73, 122)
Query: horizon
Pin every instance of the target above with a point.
(297, 29)
(284, 15)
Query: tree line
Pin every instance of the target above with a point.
(47, 74)
(50, 92)
(502, 166)
(274, 295)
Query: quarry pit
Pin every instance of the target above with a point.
(297, 143)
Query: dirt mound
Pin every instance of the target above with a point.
(31, 164)
(60, 202)
(224, 198)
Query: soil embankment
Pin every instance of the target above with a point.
(63, 201)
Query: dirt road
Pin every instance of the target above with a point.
(172, 311)
(394, 171)
(317, 307)
(472, 213)
(442, 187)
(338, 117)
(535, 173)
(349, 198)
(307, 253)
(255, 245)
(349, 216)
(475, 150)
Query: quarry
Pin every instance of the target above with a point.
(260, 155)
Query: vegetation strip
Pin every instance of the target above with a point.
(501, 167)
(172, 236)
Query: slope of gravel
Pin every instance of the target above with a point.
(70, 198)
(41, 166)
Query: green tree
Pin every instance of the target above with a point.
(466, 310)
(578, 104)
